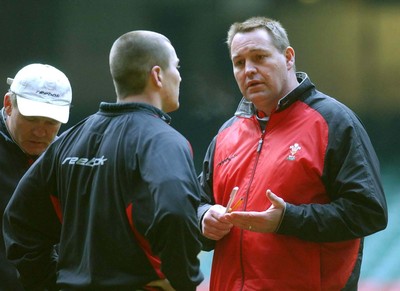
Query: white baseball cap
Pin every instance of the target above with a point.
(42, 90)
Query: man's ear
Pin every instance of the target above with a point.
(8, 107)
(156, 76)
(290, 57)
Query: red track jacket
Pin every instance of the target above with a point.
(316, 155)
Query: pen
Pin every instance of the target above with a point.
(236, 205)
(231, 198)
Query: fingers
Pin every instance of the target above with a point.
(242, 219)
(217, 223)
(276, 201)
(214, 224)
(260, 221)
(215, 233)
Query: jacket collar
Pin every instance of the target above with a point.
(106, 107)
(3, 126)
(247, 109)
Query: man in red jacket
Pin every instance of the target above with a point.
(308, 177)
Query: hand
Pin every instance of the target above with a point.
(264, 221)
(162, 284)
(214, 225)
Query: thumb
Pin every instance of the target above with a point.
(275, 200)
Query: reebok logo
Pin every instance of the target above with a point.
(48, 93)
(227, 159)
(85, 161)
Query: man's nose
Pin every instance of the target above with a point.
(250, 68)
(40, 131)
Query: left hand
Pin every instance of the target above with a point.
(214, 224)
(264, 221)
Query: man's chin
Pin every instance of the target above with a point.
(35, 150)
(255, 97)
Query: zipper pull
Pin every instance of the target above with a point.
(260, 142)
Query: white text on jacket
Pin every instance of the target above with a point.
(85, 161)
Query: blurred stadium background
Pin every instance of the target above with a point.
(349, 48)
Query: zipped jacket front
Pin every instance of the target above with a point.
(316, 155)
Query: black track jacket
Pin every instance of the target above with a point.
(13, 165)
(119, 193)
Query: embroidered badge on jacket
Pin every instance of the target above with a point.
(293, 151)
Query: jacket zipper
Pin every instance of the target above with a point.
(260, 143)
(258, 151)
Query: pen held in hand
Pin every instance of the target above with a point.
(231, 198)
(236, 205)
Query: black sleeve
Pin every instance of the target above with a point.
(206, 181)
(352, 180)
(207, 198)
(31, 228)
(173, 233)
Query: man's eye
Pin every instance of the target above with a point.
(238, 63)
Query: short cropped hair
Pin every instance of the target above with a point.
(132, 57)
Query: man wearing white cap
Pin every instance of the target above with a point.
(36, 104)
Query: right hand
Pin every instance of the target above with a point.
(260, 221)
(214, 225)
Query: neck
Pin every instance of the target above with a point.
(141, 98)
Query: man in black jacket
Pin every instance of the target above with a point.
(34, 108)
(118, 191)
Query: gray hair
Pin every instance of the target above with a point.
(274, 28)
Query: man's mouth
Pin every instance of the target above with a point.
(253, 84)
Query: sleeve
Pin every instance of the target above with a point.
(31, 229)
(352, 180)
(167, 167)
(207, 197)
(206, 180)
